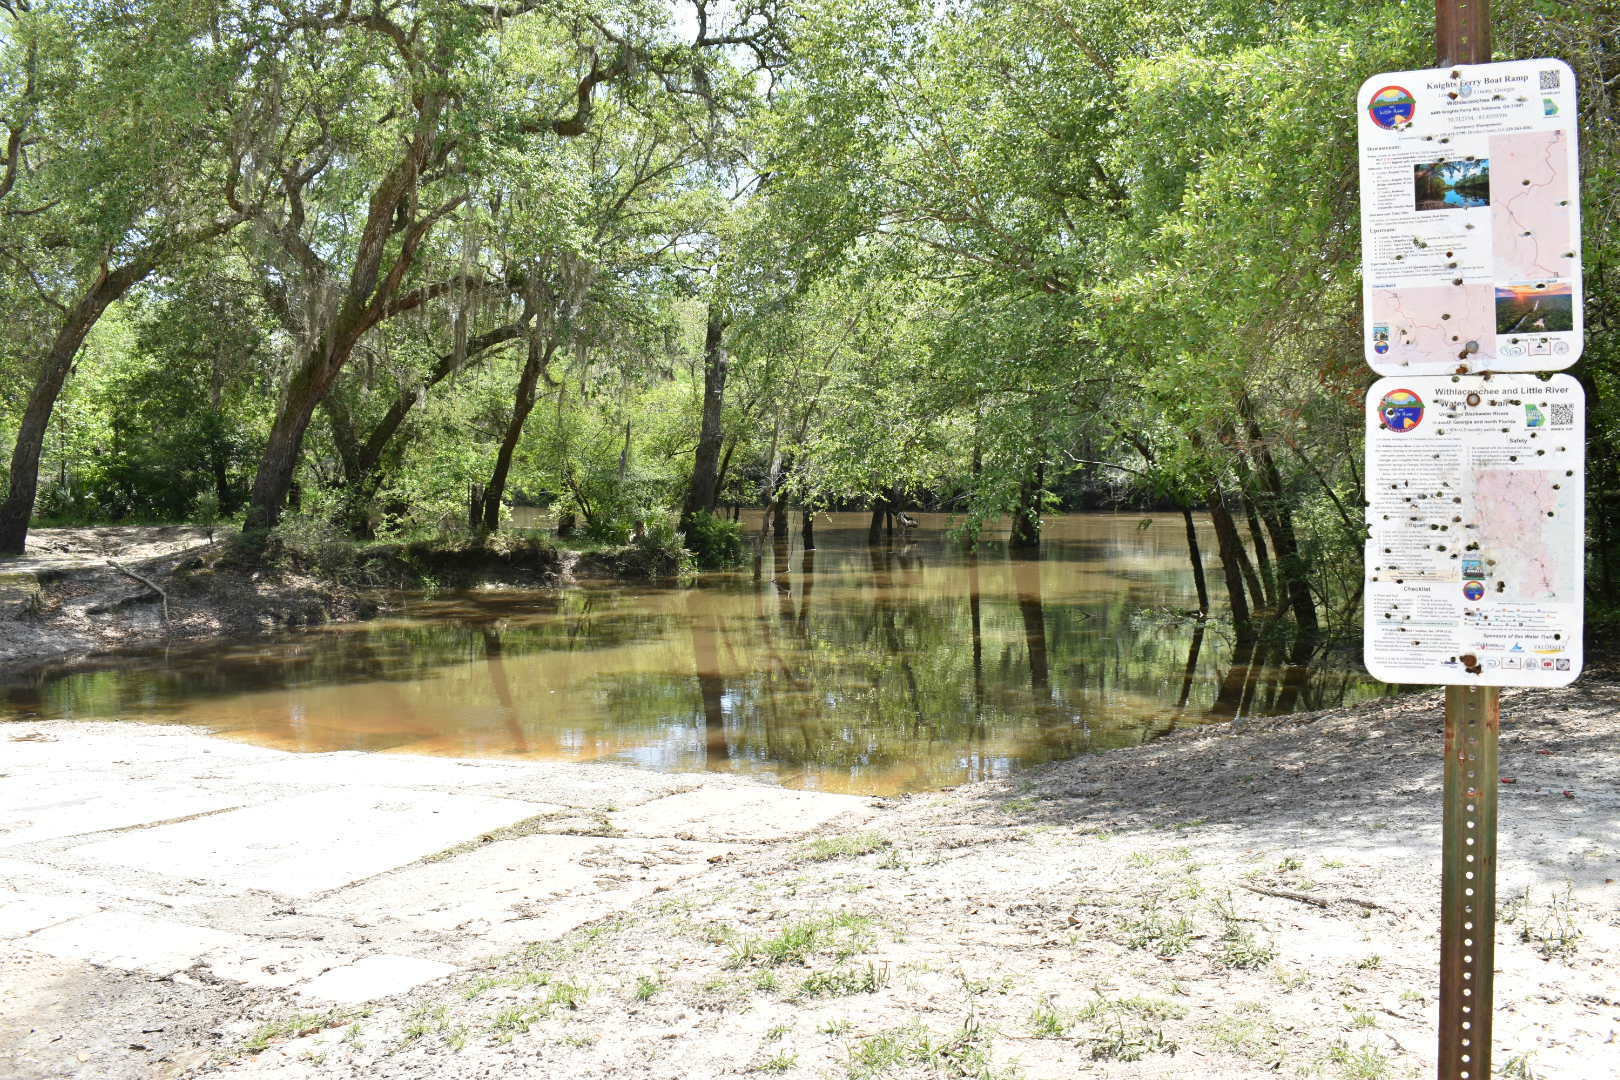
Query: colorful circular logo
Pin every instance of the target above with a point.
(1392, 108)
(1401, 410)
(1473, 589)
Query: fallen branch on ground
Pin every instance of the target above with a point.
(1285, 894)
(148, 582)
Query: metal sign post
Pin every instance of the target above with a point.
(1462, 33)
(1468, 882)
(1471, 271)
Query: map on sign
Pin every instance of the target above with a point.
(1470, 223)
(1476, 530)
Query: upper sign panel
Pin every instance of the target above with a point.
(1470, 219)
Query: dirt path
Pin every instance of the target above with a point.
(1108, 916)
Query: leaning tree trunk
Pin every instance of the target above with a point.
(18, 507)
(1292, 569)
(522, 406)
(705, 486)
(1233, 556)
(57, 362)
(372, 293)
(1197, 557)
(281, 452)
(1262, 557)
(374, 457)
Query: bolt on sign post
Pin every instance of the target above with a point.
(1471, 281)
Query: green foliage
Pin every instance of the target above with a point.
(1009, 257)
(714, 541)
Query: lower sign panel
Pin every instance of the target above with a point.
(1476, 530)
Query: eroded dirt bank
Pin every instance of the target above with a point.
(84, 591)
(1225, 903)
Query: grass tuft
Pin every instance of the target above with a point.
(297, 1026)
(842, 935)
(847, 846)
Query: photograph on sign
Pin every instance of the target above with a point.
(1475, 530)
(1470, 219)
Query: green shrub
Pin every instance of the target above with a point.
(714, 541)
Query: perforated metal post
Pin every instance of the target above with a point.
(1468, 882)
(1462, 35)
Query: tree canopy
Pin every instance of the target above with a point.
(393, 265)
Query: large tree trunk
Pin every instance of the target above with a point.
(372, 293)
(523, 404)
(705, 486)
(286, 442)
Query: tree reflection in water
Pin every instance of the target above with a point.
(902, 665)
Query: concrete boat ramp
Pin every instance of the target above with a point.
(133, 855)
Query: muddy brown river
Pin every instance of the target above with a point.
(908, 666)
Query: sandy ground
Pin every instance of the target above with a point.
(344, 915)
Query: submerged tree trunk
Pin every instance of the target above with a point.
(1197, 558)
(1026, 526)
(807, 529)
(1292, 572)
(1232, 558)
(1262, 558)
(705, 487)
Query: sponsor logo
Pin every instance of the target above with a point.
(1400, 410)
(1392, 108)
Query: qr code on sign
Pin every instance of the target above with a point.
(1549, 79)
(1562, 414)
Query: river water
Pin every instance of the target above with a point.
(908, 666)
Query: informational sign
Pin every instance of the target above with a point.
(1476, 530)
(1470, 219)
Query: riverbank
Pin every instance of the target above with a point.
(1229, 902)
(80, 592)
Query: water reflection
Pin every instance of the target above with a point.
(852, 667)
